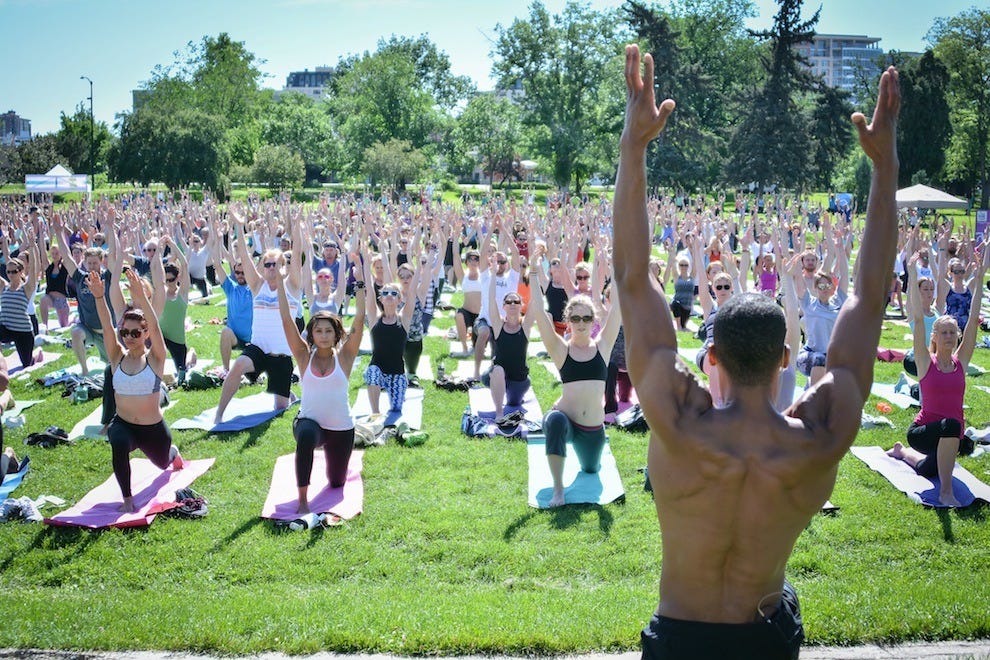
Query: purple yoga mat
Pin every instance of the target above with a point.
(346, 502)
(153, 489)
(922, 490)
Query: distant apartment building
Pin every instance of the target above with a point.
(14, 129)
(310, 83)
(842, 58)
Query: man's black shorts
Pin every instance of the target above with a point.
(278, 368)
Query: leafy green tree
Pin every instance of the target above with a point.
(176, 148)
(962, 43)
(562, 61)
(10, 164)
(381, 99)
(772, 141)
(280, 167)
(73, 139)
(395, 161)
(924, 127)
(831, 133)
(491, 125)
(303, 124)
(38, 155)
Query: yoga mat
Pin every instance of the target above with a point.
(346, 501)
(886, 391)
(241, 413)
(623, 407)
(483, 406)
(154, 492)
(690, 355)
(90, 425)
(19, 407)
(14, 362)
(535, 348)
(922, 490)
(465, 368)
(93, 363)
(455, 349)
(364, 348)
(411, 414)
(424, 370)
(12, 481)
(580, 487)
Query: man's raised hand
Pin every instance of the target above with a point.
(879, 139)
(644, 120)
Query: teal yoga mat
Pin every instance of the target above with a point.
(580, 487)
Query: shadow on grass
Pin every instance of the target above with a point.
(566, 516)
(237, 533)
(54, 538)
(975, 513)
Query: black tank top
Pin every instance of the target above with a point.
(388, 340)
(55, 280)
(556, 302)
(593, 369)
(510, 354)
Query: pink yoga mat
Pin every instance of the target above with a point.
(346, 502)
(153, 489)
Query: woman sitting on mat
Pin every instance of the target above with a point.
(137, 369)
(325, 359)
(934, 435)
(389, 332)
(578, 414)
(508, 376)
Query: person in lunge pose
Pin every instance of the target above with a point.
(735, 485)
(137, 380)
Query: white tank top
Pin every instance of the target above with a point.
(324, 398)
(266, 326)
(471, 286)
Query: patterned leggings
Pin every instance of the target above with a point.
(393, 384)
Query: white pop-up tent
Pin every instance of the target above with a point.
(56, 180)
(926, 197)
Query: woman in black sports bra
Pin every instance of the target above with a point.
(508, 377)
(578, 416)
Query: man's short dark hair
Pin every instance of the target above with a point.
(749, 332)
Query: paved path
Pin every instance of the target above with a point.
(935, 651)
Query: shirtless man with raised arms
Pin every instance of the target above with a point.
(735, 486)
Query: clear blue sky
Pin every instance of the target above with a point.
(48, 44)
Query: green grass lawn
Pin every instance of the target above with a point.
(447, 557)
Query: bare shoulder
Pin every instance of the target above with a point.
(831, 411)
(669, 392)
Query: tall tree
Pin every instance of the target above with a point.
(772, 142)
(304, 125)
(561, 61)
(490, 125)
(73, 139)
(924, 127)
(962, 43)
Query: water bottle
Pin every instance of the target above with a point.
(466, 419)
(81, 395)
(440, 372)
(308, 521)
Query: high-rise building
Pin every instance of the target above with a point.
(842, 59)
(310, 83)
(14, 129)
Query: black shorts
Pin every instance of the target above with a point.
(278, 368)
(778, 637)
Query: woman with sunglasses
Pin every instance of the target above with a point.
(15, 295)
(389, 332)
(956, 295)
(321, 301)
(935, 434)
(56, 287)
(711, 298)
(578, 415)
(137, 359)
(508, 376)
(467, 313)
(325, 358)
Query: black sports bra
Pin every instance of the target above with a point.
(593, 369)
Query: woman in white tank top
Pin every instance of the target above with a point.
(325, 359)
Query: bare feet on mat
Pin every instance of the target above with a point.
(948, 499)
(897, 451)
(127, 506)
(303, 507)
(557, 499)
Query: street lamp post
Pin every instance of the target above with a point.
(92, 134)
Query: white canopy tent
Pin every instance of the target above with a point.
(56, 180)
(925, 197)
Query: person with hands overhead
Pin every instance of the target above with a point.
(16, 293)
(325, 360)
(935, 435)
(735, 486)
(578, 415)
(137, 360)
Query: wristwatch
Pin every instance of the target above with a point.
(358, 285)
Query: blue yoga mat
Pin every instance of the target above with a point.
(12, 481)
(580, 487)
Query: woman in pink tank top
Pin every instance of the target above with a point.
(936, 433)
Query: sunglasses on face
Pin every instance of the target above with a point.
(149, 250)
(389, 294)
(323, 277)
(12, 271)
(822, 286)
(723, 287)
(473, 258)
(502, 262)
(512, 302)
(574, 318)
(957, 271)
(583, 277)
(169, 279)
(270, 264)
(133, 334)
